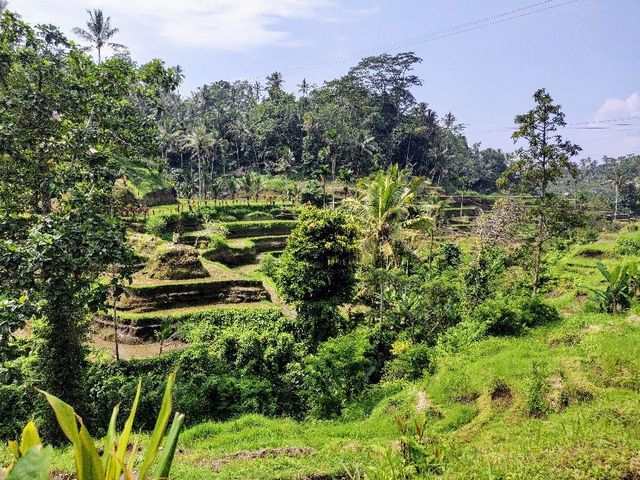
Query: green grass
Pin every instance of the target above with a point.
(141, 179)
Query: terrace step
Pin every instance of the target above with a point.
(147, 298)
(144, 326)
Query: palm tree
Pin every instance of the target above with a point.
(386, 206)
(247, 183)
(304, 87)
(200, 142)
(387, 210)
(99, 32)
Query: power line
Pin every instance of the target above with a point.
(460, 29)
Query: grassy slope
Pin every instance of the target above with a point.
(592, 430)
(142, 180)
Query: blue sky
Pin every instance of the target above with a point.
(584, 52)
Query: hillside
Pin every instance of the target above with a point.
(560, 401)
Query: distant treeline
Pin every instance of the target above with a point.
(349, 127)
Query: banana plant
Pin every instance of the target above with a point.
(32, 460)
(619, 287)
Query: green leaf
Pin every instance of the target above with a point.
(160, 427)
(109, 440)
(34, 465)
(91, 464)
(126, 433)
(66, 417)
(166, 459)
(30, 438)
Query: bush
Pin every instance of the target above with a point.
(586, 235)
(163, 225)
(502, 317)
(337, 373)
(537, 312)
(259, 228)
(268, 265)
(447, 256)
(227, 218)
(258, 216)
(176, 262)
(314, 194)
(411, 361)
(459, 337)
(628, 244)
(16, 406)
(510, 315)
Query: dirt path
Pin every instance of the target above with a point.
(143, 350)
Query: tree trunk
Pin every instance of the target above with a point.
(538, 261)
(617, 197)
(115, 328)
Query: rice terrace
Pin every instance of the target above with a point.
(252, 240)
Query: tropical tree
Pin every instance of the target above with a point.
(619, 172)
(317, 271)
(201, 143)
(385, 205)
(58, 218)
(544, 159)
(99, 32)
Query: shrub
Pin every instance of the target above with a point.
(481, 275)
(227, 218)
(502, 317)
(628, 244)
(269, 265)
(174, 222)
(411, 361)
(460, 336)
(510, 315)
(586, 235)
(259, 228)
(448, 255)
(313, 194)
(176, 262)
(338, 372)
(16, 405)
(258, 216)
(536, 311)
(157, 225)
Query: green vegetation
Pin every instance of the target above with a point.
(175, 262)
(347, 288)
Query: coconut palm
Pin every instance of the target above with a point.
(99, 32)
(386, 207)
(201, 143)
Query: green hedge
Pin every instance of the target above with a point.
(16, 407)
(212, 315)
(259, 228)
(241, 211)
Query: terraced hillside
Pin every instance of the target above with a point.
(195, 273)
(560, 401)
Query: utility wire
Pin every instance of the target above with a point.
(471, 26)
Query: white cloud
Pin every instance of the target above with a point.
(231, 25)
(614, 108)
(616, 128)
